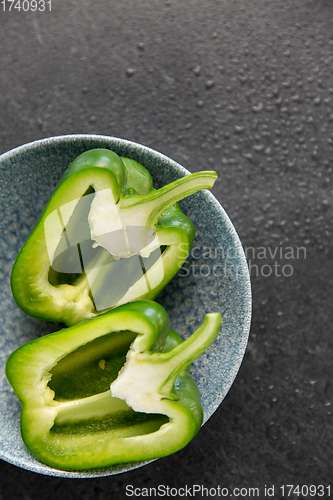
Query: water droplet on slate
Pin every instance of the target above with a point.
(239, 129)
(258, 108)
(209, 84)
(287, 83)
(197, 70)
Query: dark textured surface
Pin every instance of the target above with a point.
(246, 89)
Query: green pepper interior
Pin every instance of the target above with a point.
(89, 371)
(75, 254)
(91, 368)
(119, 425)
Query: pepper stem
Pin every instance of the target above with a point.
(158, 201)
(147, 377)
(181, 356)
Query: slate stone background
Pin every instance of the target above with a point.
(245, 88)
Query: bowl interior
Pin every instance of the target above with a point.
(214, 278)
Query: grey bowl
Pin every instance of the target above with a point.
(215, 277)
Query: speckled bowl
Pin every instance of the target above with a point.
(214, 278)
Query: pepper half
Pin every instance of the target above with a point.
(106, 237)
(70, 418)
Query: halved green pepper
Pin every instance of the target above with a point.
(105, 238)
(70, 418)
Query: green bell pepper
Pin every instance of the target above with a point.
(106, 237)
(72, 420)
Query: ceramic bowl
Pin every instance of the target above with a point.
(214, 278)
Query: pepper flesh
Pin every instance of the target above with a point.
(69, 418)
(105, 238)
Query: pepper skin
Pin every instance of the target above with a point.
(106, 237)
(69, 419)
